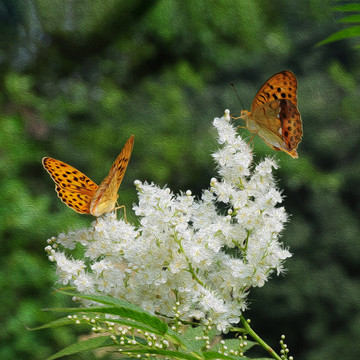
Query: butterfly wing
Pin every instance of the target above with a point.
(274, 114)
(105, 196)
(278, 123)
(282, 85)
(73, 187)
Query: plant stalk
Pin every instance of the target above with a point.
(258, 339)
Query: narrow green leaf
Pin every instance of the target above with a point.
(125, 312)
(151, 323)
(132, 323)
(234, 344)
(170, 335)
(108, 300)
(216, 355)
(347, 7)
(350, 19)
(59, 322)
(134, 312)
(340, 35)
(169, 353)
(89, 344)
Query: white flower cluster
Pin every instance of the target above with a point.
(196, 258)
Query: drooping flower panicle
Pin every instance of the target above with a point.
(187, 251)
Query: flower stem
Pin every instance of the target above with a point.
(258, 339)
(191, 269)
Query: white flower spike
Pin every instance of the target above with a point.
(187, 259)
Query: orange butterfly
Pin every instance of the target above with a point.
(274, 115)
(80, 193)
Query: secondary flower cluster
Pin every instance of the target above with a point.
(187, 258)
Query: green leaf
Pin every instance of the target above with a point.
(133, 324)
(350, 19)
(216, 355)
(340, 35)
(106, 300)
(132, 315)
(121, 308)
(89, 344)
(347, 7)
(234, 344)
(168, 353)
(59, 322)
(126, 312)
(191, 333)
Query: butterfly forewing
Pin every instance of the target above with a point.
(73, 187)
(106, 195)
(282, 85)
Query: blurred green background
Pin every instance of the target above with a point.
(79, 77)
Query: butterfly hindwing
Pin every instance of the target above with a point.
(291, 125)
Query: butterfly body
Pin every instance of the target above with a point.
(80, 193)
(274, 115)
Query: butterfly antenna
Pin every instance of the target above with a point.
(237, 95)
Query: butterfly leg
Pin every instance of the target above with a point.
(93, 233)
(240, 126)
(243, 114)
(119, 207)
(241, 117)
(235, 117)
(251, 141)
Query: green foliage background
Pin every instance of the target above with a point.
(78, 77)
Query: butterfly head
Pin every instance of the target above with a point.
(244, 113)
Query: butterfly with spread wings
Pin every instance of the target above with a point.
(80, 193)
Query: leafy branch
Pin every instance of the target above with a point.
(349, 32)
(127, 329)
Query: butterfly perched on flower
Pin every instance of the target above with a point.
(80, 193)
(274, 115)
